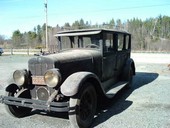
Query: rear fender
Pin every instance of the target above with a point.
(129, 64)
(73, 83)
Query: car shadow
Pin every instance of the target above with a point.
(120, 103)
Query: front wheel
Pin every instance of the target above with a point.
(18, 111)
(83, 107)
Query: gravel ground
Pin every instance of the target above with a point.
(145, 105)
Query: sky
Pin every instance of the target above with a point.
(24, 15)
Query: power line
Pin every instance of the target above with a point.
(136, 7)
(113, 9)
(93, 11)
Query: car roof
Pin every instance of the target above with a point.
(80, 32)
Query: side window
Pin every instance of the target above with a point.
(120, 42)
(108, 45)
(127, 42)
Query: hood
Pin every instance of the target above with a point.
(74, 55)
(67, 62)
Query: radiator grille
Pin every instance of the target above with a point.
(38, 66)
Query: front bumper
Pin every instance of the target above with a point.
(35, 104)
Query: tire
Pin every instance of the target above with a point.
(130, 78)
(18, 111)
(83, 107)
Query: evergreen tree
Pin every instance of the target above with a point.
(17, 38)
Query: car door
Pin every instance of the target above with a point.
(123, 52)
(108, 61)
(109, 64)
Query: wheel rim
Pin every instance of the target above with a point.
(85, 107)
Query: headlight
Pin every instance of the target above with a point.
(52, 77)
(20, 77)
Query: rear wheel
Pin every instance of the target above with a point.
(130, 78)
(18, 111)
(83, 107)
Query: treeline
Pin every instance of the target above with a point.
(152, 34)
(31, 39)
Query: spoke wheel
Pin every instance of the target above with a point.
(83, 107)
(18, 111)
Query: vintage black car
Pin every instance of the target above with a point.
(89, 65)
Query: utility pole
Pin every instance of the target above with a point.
(46, 27)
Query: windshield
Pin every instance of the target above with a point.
(68, 42)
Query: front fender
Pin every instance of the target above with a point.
(12, 88)
(72, 84)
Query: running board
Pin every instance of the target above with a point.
(116, 88)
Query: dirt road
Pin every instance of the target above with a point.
(146, 104)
